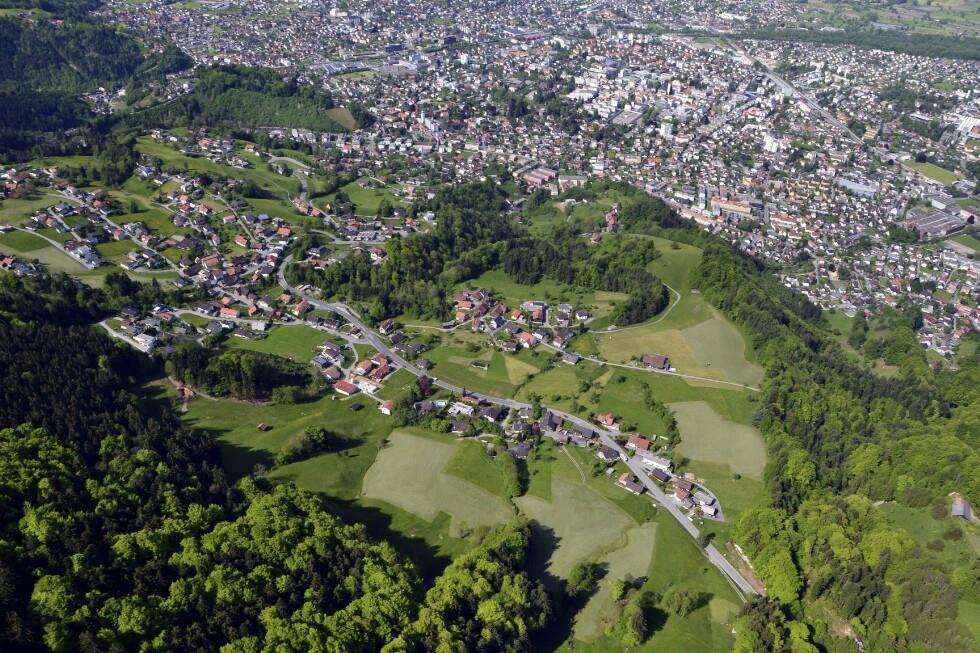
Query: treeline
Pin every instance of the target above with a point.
(914, 43)
(239, 97)
(841, 437)
(120, 531)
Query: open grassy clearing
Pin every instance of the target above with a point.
(705, 436)
(116, 250)
(343, 116)
(410, 473)
(296, 342)
(243, 446)
(397, 385)
(969, 616)
(934, 172)
(631, 560)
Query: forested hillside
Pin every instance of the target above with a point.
(241, 98)
(841, 438)
(120, 531)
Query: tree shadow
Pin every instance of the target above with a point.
(544, 543)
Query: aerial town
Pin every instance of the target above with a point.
(567, 325)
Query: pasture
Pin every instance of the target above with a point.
(233, 425)
(410, 473)
(705, 436)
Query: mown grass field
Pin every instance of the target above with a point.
(707, 437)
(295, 342)
(581, 523)
(410, 473)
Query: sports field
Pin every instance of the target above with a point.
(410, 473)
(296, 342)
(706, 436)
(934, 172)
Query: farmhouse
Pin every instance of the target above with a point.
(656, 362)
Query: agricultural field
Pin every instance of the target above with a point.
(410, 473)
(295, 342)
(934, 172)
(697, 339)
(707, 437)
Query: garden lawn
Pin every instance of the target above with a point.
(295, 342)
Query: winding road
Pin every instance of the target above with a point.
(741, 585)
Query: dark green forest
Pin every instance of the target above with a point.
(120, 531)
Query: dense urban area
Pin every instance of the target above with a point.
(457, 326)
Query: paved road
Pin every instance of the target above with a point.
(607, 437)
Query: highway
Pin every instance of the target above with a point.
(742, 586)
